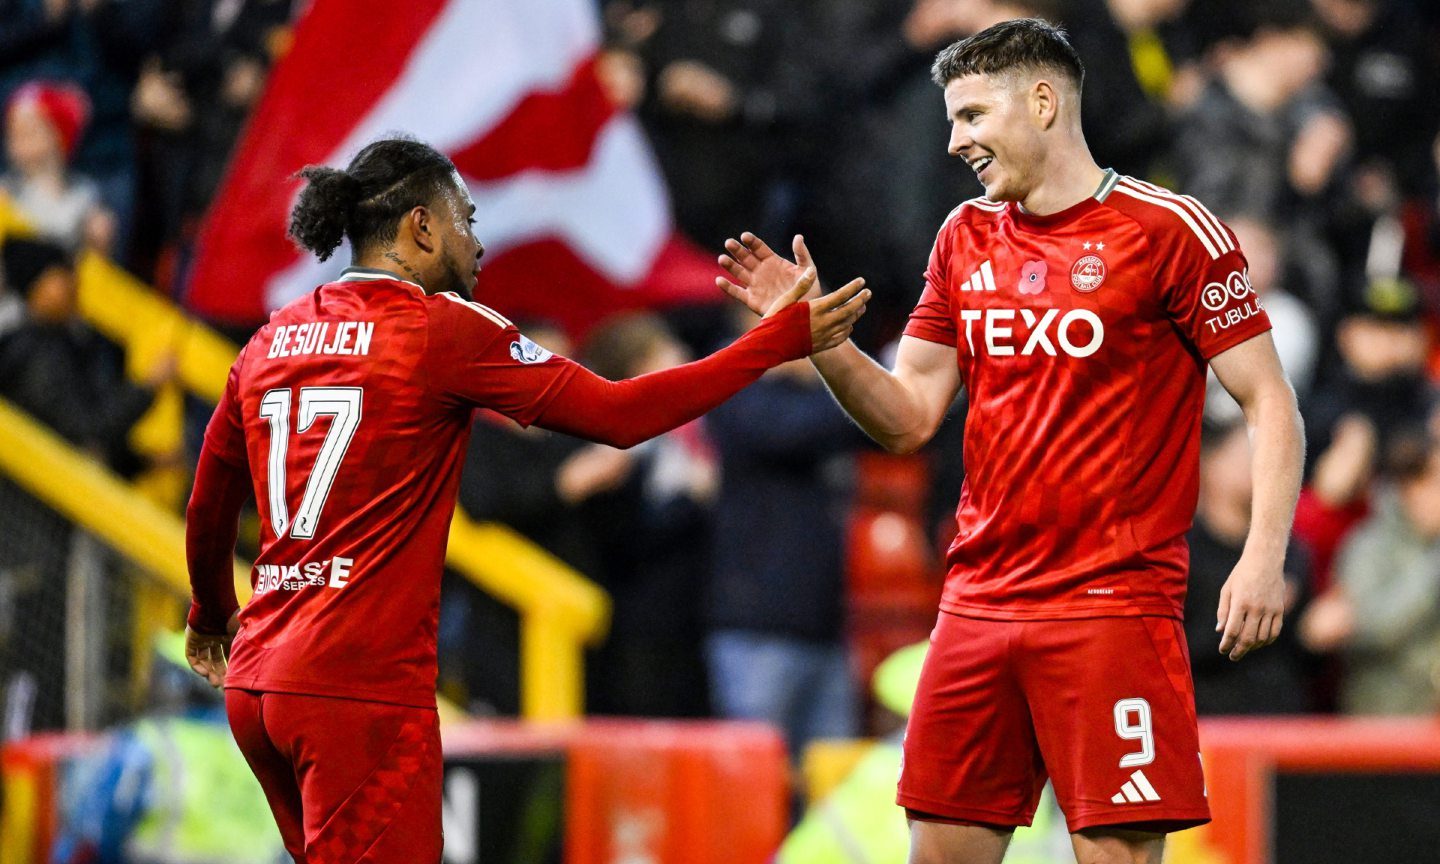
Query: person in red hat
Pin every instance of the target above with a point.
(44, 121)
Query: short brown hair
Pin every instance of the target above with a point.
(1021, 43)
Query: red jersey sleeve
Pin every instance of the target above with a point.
(1205, 283)
(932, 319)
(225, 433)
(222, 483)
(475, 356)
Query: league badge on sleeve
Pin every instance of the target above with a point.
(526, 351)
(1087, 273)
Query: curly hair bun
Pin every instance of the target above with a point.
(322, 214)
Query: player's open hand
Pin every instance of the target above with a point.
(760, 276)
(833, 316)
(209, 656)
(1252, 608)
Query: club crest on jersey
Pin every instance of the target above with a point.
(1087, 273)
(525, 351)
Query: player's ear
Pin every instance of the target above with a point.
(420, 222)
(1044, 103)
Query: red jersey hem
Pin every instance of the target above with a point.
(966, 814)
(1226, 343)
(310, 688)
(1180, 817)
(929, 335)
(1052, 613)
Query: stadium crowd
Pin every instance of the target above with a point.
(1310, 126)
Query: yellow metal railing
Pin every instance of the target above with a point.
(84, 491)
(560, 610)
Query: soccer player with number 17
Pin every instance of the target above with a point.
(347, 416)
(1079, 309)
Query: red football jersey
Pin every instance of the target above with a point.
(1082, 339)
(353, 408)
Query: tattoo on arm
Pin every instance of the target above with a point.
(403, 265)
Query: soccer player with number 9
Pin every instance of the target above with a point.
(347, 416)
(1078, 308)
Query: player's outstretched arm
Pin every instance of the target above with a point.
(901, 409)
(211, 524)
(1252, 602)
(624, 413)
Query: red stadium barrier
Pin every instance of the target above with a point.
(29, 811)
(1257, 769)
(697, 792)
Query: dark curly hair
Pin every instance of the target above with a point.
(364, 202)
(1022, 43)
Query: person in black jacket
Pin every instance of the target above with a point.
(776, 605)
(1270, 682)
(60, 370)
(66, 376)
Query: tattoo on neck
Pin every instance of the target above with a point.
(403, 265)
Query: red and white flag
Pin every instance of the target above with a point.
(570, 202)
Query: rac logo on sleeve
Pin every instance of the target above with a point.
(1221, 297)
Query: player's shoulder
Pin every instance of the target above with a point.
(973, 213)
(974, 210)
(448, 306)
(1170, 220)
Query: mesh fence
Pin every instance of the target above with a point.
(66, 622)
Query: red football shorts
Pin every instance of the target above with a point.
(1103, 707)
(348, 781)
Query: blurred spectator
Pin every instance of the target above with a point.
(61, 371)
(1130, 71)
(1384, 612)
(1337, 496)
(1266, 139)
(1296, 335)
(67, 377)
(1378, 392)
(1383, 344)
(1270, 681)
(524, 479)
(1382, 70)
(193, 96)
(885, 146)
(97, 44)
(44, 122)
(776, 606)
(731, 108)
(650, 509)
(541, 500)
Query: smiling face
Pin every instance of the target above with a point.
(996, 125)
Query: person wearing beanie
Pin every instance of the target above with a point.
(44, 123)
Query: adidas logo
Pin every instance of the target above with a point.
(1135, 790)
(981, 280)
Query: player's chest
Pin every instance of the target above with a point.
(1018, 300)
